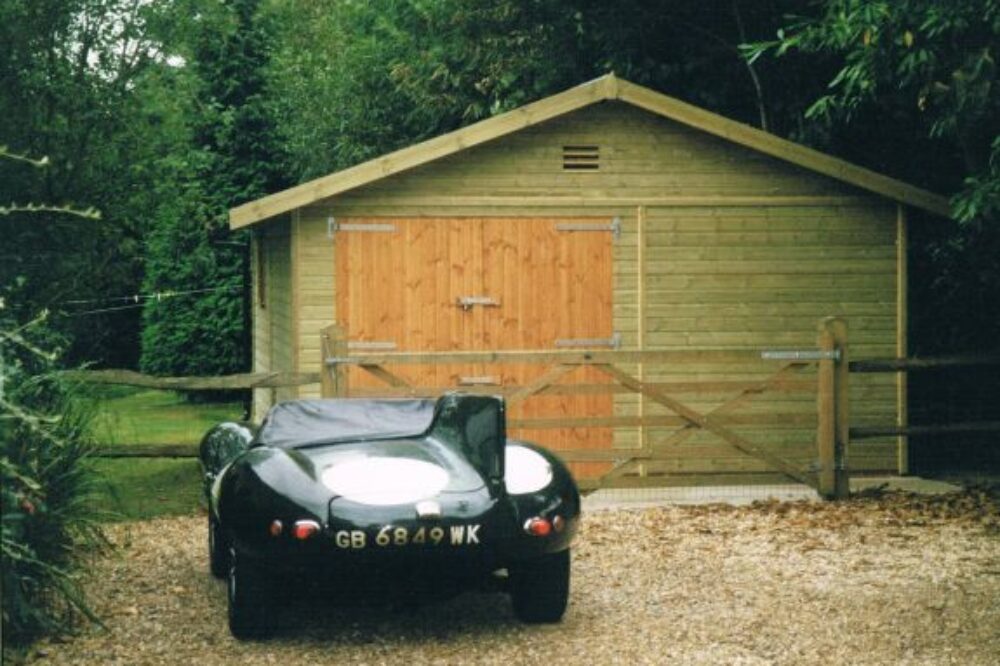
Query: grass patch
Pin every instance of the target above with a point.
(143, 488)
(128, 415)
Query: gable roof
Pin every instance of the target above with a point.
(607, 87)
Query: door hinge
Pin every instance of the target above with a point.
(614, 342)
(615, 226)
(332, 227)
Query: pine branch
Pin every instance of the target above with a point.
(87, 213)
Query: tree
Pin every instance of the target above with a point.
(89, 84)
(353, 80)
(198, 326)
(927, 66)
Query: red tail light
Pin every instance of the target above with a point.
(304, 529)
(538, 527)
(276, 528)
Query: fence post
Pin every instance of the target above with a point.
(333, 378)
(832, 407)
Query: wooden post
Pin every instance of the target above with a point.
(832, 410)
(333, 378)
(902, 412)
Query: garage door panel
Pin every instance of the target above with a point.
(553, 285)
(544, 284)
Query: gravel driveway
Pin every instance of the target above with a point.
(894, 579)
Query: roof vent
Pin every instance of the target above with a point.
(581, 158)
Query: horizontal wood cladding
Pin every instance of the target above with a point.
(641, 155)
(316, 290)
(273, 311)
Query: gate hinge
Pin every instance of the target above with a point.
(332, 227)
(614, 342)
(615, 226)
(801, 355)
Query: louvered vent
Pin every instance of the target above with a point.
(581, 158)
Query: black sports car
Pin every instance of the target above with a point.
(431, 496)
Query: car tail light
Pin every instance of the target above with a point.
(304, 529)
(538, 527)
(276, 528)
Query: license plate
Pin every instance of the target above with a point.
(393, 536)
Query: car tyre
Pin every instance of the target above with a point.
(249, 595)
(540, 588)
(218, 549)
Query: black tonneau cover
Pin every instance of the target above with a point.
(303, 422)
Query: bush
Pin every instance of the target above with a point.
(47, 484)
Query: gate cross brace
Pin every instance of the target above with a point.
(702, 421)
(390, 378)
(554, 374)
(684, 432)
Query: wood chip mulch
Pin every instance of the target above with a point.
(880, 580)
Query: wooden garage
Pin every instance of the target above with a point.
(608, 216)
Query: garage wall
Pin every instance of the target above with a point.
(749, 276)
(273, 318)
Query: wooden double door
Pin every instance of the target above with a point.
(482, 284)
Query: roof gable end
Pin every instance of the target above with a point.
(607, 87)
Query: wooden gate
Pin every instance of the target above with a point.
(825, 469)
(477, 284)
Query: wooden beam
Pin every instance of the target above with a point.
(388, 377)
(869, 432)
(641, 269)
(841, 387)
(930, 363)
(707, 423)
(546, 357)
(248, 380)
(697, 388)
(148, 451)
(662, 420)
(554, 374)
(832, 400)
(902, 271)
(333, 343)
(616, 202)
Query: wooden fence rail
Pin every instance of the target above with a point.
(249, 380)
(895, 365)
(828, 474)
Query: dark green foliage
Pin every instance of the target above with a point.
(47, 485)
(928, 70)
(71, 93)
(352, 81)
(231, 159)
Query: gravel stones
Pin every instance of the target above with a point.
(886, 579)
